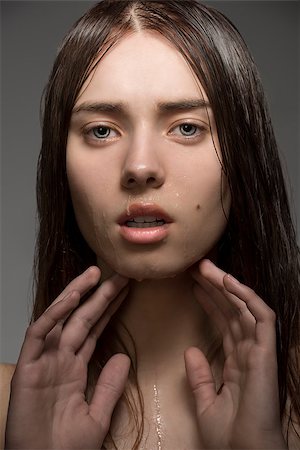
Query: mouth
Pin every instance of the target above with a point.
(144, 215)
(144, 223)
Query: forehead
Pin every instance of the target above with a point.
(142, 66)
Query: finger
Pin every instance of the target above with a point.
(242, 322)
(246, 319)
(37, 332)
(87, 349)
(229, 314)
(200, 378)
(212, 279)
(53, 337)
(83, 283)
(80, 323)
(217, 317)
(109, 388)
(265, 317)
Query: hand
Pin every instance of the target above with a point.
(48, 408)
(244, 414)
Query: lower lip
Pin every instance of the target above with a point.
(144, 235)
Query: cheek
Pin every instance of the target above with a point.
(89, 198)
(208, 202)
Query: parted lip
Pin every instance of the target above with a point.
(143, 210)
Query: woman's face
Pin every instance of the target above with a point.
(143, 162)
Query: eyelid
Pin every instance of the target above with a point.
(88, 128)
(200, 126)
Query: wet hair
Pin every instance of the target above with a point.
(259, 245)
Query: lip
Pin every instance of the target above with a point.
(143, 209)
(144, 235)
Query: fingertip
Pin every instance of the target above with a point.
(193, 350)
(202, 263)
(191, 356)
(93, 274)
(205, 266)
(205, 261)
(93, 270)
(228, 277)
(121, 362)
(124, 360)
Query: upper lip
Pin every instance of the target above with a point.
(143, 210)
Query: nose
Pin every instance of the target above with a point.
(142, 167)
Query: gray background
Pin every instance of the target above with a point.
(31, 33)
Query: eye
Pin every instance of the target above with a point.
(188, 129)
(98, 133)
(102, 132)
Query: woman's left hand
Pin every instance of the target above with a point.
(244, 414)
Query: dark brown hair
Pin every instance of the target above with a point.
(259, 246)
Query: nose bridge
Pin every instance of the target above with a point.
(142, 164)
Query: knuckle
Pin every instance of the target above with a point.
(86, 321)
(108, 294)
(31, 331)
(243, 309)
(110, 387)
(251, 291)
(271, 316)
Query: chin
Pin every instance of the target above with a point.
(155, 271)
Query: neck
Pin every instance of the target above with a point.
(164, 319)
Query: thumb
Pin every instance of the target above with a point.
(200, 378)
(109, 388)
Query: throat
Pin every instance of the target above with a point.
(164, 319)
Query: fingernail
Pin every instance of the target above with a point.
(90, 269)
(234, 280)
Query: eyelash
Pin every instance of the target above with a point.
(198, 131)
(87, 132)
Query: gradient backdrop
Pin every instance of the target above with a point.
(31, 32)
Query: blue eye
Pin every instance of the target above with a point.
(101, 132)
(188, 129)
(188, 132)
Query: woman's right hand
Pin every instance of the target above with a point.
(48, 408)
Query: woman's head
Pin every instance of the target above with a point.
(217, 61)
(143, 144)
(255, 234)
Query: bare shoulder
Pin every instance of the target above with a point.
(291, 422)
(291, 429)
(6, 373)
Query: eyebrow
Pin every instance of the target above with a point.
(163, 107)
(99, 107)
(183, 105)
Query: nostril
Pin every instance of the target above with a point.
(150, 180)
(131, 181)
